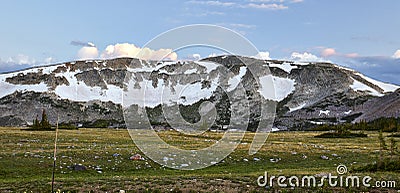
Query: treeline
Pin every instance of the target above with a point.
(381, 124)
(44, 124)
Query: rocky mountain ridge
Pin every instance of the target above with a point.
(84, 92)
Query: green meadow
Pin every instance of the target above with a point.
(26, 162)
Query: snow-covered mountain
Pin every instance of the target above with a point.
(87, 91)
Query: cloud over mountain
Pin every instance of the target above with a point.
(126, 50)
(88, 53)
(306, 57)
(396, 55)
(130, 50)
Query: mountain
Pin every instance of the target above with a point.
(95, 92)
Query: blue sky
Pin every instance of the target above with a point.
(361, 34)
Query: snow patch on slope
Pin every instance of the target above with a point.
(150, 96)
(325, 112)
(344, 68)
(282, 86)
(348, 112)
(234, 81)
(7, 88)
(359, 86)
(191, 71)
(287, 67)
(148, 67)
(44, 69)
(190, 94)
(79, 91)
(297, 108)
(386, 87)
(209, 65)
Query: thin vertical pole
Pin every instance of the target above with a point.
(54, 157)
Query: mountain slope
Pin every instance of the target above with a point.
(306, 93)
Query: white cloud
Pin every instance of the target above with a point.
(263, 56)
(257, 4)
(205, 13)
(396, 55)
(8, 67)
(88, 53)
(91, 44)
(217, 54)
(214, 3)
(239, 25)
(277, 1)
(272, 6)
(125, 50)
(196, 56)
(306, 57)
(267, 1)
(21, 59)
(130, 50)
(25, 60)
(49, 60)
(213, 55)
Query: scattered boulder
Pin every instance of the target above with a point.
(136, 157)
(324, 157)
(78, 167)
(116, 154)
(98, 169)
(275, 160)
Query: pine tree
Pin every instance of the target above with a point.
(44, 123)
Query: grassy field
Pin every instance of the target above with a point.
(26, 159)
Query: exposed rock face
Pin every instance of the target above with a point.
(10, 121)
(91, 92)
(36, 78)
(386, 106)
(21, 108)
